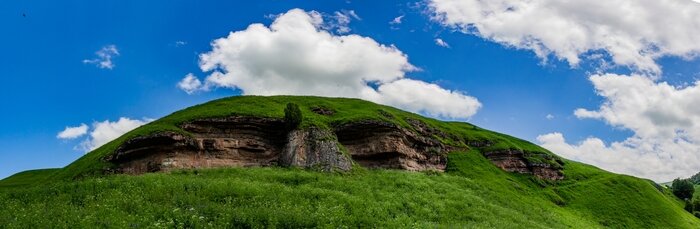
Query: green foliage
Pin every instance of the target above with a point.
(695, 179)
(292, 116)
(683, 189)
(473, 193)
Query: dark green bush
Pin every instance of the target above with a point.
(683, 189)
(688, 206)
(292, 116)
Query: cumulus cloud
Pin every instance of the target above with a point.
(104, 57)
(665, 120)
(106, 131)
(189, 84)
(73, 132)
(427, 98)
(646, 107)
(296, 55)
(549, 117)
(633, 32)
(101, 132)
(441, 43)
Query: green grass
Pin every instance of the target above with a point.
(472, 193)
(28, 177)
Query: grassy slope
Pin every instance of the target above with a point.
(28, 177)
(473, 193)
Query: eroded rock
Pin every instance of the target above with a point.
(255, 141)
(231, 142)
(314, 148)
(513, 160)
(323, 111)
(377, 144)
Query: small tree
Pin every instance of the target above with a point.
(688, 206)
(696, 203)
(683, 189)
(292, 116)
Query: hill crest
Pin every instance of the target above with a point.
(326, 138)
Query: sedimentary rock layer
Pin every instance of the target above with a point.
(255, 141)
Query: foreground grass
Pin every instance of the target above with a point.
(472, 193)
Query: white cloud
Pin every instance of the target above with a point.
(104, 57)
(549, 117)
(397, 20)
(665, 120)
(633, 32)
(180, 43)
(441, 43)
(189, 84)
(650, 109)
(101, 132)
(339, 21)
(427, 98)
(295, 55)
(73, 132)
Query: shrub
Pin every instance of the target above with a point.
(683, 189)
(688, 206)
(292, 116)
(696, 203)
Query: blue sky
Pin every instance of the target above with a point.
(47, 84)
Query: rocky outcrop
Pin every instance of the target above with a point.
(314, 148)
(378, 144)
(255, 141)
(513, 160)
(323, 111)
(231, 142)
(220, 142)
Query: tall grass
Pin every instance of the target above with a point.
(472, 193)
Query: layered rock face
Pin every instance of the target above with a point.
(250, 141)
(254, 141)
(512, 160)
(377, 144)
(230, 142)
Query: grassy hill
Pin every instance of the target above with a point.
(471, 193)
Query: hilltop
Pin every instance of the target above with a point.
(236, 162)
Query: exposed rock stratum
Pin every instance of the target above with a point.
(240, 141)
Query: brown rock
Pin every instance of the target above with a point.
(253, 141)
(515, 161)
(377, 144)
(322, 111)
(314, 148)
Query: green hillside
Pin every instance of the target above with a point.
(471, 193)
